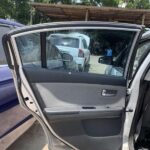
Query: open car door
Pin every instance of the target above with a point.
(79, 98)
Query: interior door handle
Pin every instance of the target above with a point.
(109, 93)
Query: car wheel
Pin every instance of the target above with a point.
(87, 63)
(81, 68)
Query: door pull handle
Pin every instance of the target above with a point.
(109, 93)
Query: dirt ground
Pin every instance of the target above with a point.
(96, 67)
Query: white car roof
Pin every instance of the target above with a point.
(87, 38)
(73, 35)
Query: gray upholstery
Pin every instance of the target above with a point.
(80, 114)
(75, 94)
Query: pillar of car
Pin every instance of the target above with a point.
(43, 49)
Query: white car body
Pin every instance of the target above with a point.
(81, 60)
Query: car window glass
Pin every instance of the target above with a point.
(3, 30)
(142, 49)
(104, 51)
(81, 44)
(29, 49)
(54, 60)
(84, 44)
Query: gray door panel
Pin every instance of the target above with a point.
(79, 113)
(74, 133)
(79, 94)
(64, 113)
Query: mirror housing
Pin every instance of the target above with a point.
(102, 60)
(105, 60)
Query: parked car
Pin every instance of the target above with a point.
(86, 110)
(74, 44)
(7, 89)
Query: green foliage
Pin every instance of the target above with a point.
(87, 2)
(6, 8)
(62, 1)
(22, 11)
(140, 4)
(67, 1)
(42, 1)
(110, 3)
(15, 9)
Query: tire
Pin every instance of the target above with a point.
(80, 68)
(87, 64)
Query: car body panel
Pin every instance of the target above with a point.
(11, 23)
(7, 88)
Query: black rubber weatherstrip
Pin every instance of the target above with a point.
(132, 59)
(43, 49)
(74, 24)
(46, 75)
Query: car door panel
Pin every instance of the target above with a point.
(86, 109)
(80, 111)
(34, 74)
(94, 142)
(83, 94)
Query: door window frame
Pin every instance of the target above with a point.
(21, 73)
(31, 30)
(144, 55)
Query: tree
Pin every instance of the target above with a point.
(108, 3)
(6, 8)
(139, 4)
(15, 9)
(22, 11)
(88, 2)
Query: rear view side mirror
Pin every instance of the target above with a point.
(101, 60)
(66, 57)
(105, 60)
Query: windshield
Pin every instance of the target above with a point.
(65, 41)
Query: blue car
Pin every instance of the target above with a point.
(7, 89)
